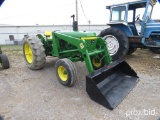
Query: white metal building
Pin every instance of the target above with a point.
(10, 33)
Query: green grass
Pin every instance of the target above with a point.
(11, 48)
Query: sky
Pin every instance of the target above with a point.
(57, 12)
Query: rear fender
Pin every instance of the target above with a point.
(123, 28)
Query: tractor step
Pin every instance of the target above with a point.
(109, 85)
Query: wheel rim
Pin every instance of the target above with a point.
(28, 53)
(62, 72)
(96, 62)
(112, 44)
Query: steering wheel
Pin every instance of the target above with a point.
(137, 17)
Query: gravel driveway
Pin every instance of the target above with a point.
(37, 95)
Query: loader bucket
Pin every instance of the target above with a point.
(109, 85)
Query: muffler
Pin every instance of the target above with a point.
(109, 85)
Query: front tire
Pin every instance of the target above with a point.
(34, 53)
(117, 42)
(4, 61)
(155, 50)
(66, 72)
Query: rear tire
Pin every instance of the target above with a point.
(4, 61)
(34, 53)
(66, 72)
(117, 42)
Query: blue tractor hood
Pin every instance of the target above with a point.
(152, 27)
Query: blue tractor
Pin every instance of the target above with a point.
(122, 37)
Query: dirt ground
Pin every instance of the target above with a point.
(38, 95)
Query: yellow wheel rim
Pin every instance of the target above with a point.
(96, 62)
(62, 73)
(28, 53)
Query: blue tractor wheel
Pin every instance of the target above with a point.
(117, 42)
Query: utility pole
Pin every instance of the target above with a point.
(75, 22)
(77, 10)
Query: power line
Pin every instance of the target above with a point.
(76, 10)
(83, 10)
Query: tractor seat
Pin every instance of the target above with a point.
(48, 35)
(133, 29)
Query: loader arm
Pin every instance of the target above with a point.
(82, 47)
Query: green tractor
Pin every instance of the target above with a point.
(4, 60)
(107, 83)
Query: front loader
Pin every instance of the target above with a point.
(108, 83)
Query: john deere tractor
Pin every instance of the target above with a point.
(107, 83)
(123, 37)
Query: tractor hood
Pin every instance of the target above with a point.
(152, 28)
(156, 24)
(79, 34)
(153, 23)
